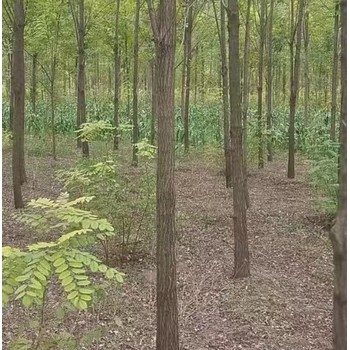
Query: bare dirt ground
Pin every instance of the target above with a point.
(285, 304)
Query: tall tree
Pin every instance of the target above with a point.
(186, 73)
(164, 30)
(239, 203)
(335, 70)
(261, 82)
(338, 233)
(116, 77)
(306, 37)
(19, 96)
(225, 90)
(80, 32)
(135, 88)
(269, 82)
(245, 96)
(294, 86)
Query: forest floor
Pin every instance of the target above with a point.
(285, 304)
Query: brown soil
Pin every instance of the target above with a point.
(285, 304)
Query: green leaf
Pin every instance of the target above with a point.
(70, 287)
(85, 297)
(109, 273)
(67, 281)
(77, 271)
(119, 278)
(82, 305)
(76, 264)
(22, 278)
(103, 268)
(81, 277)
(40, 276)
(21, 288)
(83, 283)
(64, 274)
(62, 268)
(27, 301)
(43, 271)
(86, 291)
(8, 289)
(72, 295)
(94, 266)
(58, 262)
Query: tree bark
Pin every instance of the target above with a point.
(306, 68)
(116, 78)
(163, 25)
(12, 96)
(135, 91)
(35, 57)
(154, 103)
(225, 90)
(239, 204)
(269, 83)
(186, 74)
(338, 233)
(335, 71)
(18, 108)
(81, 74)
(260, 84)
(294, 86)
(245, 98)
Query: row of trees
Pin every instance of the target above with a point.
(163, 79)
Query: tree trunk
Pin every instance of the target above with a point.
(306, 69)
(81, 74)
(338, 233)
(239, 204)
(12, 96)
(245, 99)
(163, 25)
(35, 57)
(225, 98)
(19, 95)
(335, 71)
(154, 103)
(116, 78)
(269, 84)
(294, 86)
(186, 74)
(260, 84)
(135, 88)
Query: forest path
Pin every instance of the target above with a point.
(287, 301)
(285, 304)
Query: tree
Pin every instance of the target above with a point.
(269, 82)
(335, 70)
(186, 72)
(116, 77)
(18, 107)
(338, 234)
(294, 86)
(306, 37)
(225, 101)
(80, 32)
(260, 83)
(135, 125)
(164, 31)
(239, 203)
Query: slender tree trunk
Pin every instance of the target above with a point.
(225, 98)
(116, 78)
(338, 233)
(245, 99)
(260, 84)
(294, 86)
(187, 68)
(284, 83)
(11, 90)
(335, 70)
(239, 204)
(52, 95)
(19, 95)
(154, 102)
(163, 25)
(127, 73)
(306, 69)
(269, 83)
(135, 125)
(81, 74)
(35, 57)
(195, 76)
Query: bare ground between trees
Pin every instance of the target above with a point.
(285, 304)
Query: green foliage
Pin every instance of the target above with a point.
(126, 201)
(95, 131)
(6, 139)
(28, 272)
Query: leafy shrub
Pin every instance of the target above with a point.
(127, 201)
